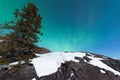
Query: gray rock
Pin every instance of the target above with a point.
(80, 71)
(69, 70)
(25, 72)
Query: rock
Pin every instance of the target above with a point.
(86, 58)
(80, 71)
(70, 70)
(25, 72)
(115, 64)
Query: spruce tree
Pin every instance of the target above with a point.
(26, 27)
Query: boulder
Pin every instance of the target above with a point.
(23, 72)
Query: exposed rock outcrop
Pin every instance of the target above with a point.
(23, 72)
(80, 71)
(113, 63)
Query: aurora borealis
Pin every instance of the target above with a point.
(74, 25)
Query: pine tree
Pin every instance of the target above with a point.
(26, 27)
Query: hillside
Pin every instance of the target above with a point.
(67, 66)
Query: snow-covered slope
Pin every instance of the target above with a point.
(46, 64)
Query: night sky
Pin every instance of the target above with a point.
(74, 25)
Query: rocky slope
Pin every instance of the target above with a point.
(66, 66)
(23, 72)
(80, 71)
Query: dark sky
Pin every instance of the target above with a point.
(75, 25)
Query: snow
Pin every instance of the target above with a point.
(33, 79)
(4, 66)
(99, 63)
(46, 64)
(102, 71)
(15, 63)
(72, 74)
(1, 41)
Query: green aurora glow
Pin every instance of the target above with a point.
(74, 25)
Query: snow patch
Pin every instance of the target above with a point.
(16, 63)
(33, 79)
(72, 74)
(102, 71)
(97, 62)
(46, 64)
(1, 41)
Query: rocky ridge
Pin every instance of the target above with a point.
(81, 68)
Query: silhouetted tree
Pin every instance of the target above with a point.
(24, 32)
(26, 27)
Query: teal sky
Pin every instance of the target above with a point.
(74, 25)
